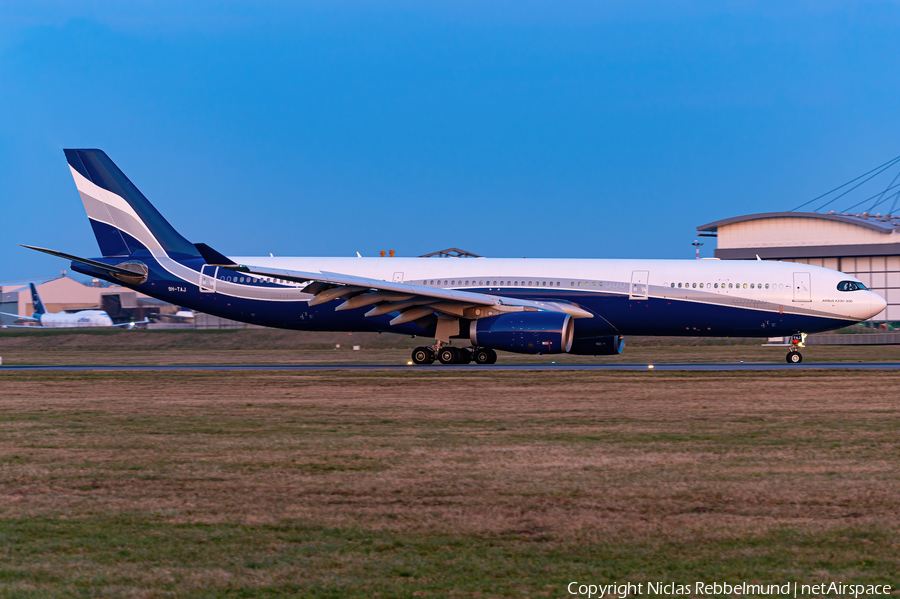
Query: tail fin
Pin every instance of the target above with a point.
(36, 302)
(124, 221)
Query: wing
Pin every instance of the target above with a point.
(21, 317)
(174, 317)
(411, 301)
(130, 325)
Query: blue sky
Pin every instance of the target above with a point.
(539, 129)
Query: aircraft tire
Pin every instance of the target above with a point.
(484, 355)
(794, 357)
(493, 359)
(423, 355)
(449, 355)
(481, 356)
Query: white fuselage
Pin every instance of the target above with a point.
(785, 286)
(85, 318)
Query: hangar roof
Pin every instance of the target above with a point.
(878, 222)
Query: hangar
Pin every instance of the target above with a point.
(864, 245)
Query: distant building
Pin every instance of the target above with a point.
(123, 305)
(864, 245)
(65, 294)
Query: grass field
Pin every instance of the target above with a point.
(410, 484)
(270, 346)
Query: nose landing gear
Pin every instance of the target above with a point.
(793, 355)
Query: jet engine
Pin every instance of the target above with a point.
(524, 332)
(608, 345)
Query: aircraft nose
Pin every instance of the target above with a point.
(876, 303)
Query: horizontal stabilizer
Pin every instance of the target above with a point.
(88, 262)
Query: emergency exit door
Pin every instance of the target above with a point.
(801, 287)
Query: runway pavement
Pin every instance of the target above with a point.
(475, 367)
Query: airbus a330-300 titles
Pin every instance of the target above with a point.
(471, 307)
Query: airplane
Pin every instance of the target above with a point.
(181, 315)
(83, 318)
(527, 306)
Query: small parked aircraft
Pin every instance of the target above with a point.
(83, 318)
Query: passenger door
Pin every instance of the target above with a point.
(801, 287)
(640, 285)
(208, 278)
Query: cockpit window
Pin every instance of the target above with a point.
(850, 286)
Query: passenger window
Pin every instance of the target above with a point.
(759, 285)
(673, 284)
(745, 285)
(694, 285)
(701, 285)
(767, 285)
(752, 286)
(679, 285)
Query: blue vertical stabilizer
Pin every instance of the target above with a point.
(124, 221)
(36, 302)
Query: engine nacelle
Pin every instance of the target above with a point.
(609, 345)
(525, 332)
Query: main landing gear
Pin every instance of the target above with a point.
(454, 355)
(793, 355)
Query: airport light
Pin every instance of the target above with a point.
(697, 245)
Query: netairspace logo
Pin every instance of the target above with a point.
(788, 589)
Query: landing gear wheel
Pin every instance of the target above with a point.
(449, 355)
(493, 359)
(423, 355)
(465, 356)
(794, 357)
(485, 356)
